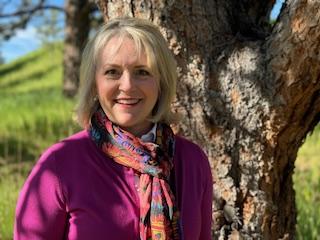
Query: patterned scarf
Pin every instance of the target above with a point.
(159, 216)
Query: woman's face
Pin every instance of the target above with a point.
(127, 89)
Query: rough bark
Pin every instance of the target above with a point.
(76, 34)
(249, 93)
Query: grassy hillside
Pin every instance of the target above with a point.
(34, 114)
(32, 108)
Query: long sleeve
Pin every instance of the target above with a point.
(194, 190)
(206, 205)
(40, 212)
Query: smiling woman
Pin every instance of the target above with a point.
(126, 175)
(127, 88)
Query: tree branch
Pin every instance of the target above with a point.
(31, 11)
(294, 62)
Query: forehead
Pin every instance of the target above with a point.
(123, 49)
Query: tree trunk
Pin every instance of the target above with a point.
(250, 93)
(76, 34)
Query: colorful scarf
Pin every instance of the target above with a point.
(159, 216)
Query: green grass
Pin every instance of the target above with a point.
(34, 114)
(32, 109)
(11, 180)
(307, 186)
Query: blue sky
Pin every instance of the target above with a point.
(26, 40)
(276, 9)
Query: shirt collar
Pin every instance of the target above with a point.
(151, 135)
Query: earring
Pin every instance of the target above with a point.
(95, 98)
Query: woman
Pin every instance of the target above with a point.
(126, 175)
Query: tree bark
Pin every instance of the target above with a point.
(250, 93)
(76, 34)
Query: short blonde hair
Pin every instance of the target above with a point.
(148, 38)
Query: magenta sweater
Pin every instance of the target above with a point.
(75, 192)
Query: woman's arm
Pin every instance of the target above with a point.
(40, 212)
(206, 205)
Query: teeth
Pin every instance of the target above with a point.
(127, 101)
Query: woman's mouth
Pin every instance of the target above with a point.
(128, 101)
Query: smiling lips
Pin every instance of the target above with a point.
(127, 101)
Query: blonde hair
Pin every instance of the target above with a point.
(147, 38)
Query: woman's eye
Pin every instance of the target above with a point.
(143, 72)
(111, 73)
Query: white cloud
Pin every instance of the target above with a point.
(28, 34)
(24, 41)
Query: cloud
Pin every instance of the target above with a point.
(28, 34)
(24, 41)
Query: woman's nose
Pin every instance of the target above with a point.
(127, 82)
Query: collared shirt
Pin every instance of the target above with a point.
(151, 135)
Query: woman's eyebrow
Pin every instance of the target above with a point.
(141, 66)
(110, 65)
(118, 65)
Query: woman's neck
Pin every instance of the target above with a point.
(140, 130)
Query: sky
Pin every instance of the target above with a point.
(26, 40)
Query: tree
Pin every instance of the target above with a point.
(1, 59)
(78, 18)
(250, 93)
(50, 32)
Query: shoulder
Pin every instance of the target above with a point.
(190, 154)
(192, 165)
(66, 148)
(71, 143)
(54, 165)
(187, 147)
(63, 157)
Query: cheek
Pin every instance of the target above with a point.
(99, 85)
(155, 92)
(152, 89)
(104, 90)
